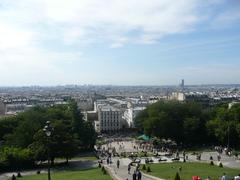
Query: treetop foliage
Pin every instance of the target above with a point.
(25, 131)
(190, 123)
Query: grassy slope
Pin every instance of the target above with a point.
(93, 174)
(168, 170)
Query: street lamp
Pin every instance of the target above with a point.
(228, 143)
(48, 131)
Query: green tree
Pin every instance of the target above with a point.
(175, 120)
(60, 144)
(7, 126)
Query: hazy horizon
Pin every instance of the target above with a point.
(115, 85)
(154, 42)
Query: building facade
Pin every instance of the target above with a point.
(110, 119)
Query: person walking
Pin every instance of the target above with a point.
(129, 168)
(224, 177)
(134, 176)
(237, 177)
(118, 163)
(139, 175)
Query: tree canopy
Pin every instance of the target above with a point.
(25, 132)
(190, 123)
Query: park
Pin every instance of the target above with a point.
(55, 143)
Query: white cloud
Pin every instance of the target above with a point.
(13, 37)
(35, 36)
(94, 20)
(100, 19)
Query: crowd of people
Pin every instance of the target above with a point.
(138, 148)
(137, 175)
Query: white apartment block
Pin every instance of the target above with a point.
(179, 96)
(110, 118)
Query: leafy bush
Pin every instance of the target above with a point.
(19, 174)
(211, 163)
(144, 167)
(14, 177)
(220, 165)
(15, 158)
(148, 169)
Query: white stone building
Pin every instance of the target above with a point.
(179, 96)
(110, 118)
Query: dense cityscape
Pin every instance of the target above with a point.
(98, 103)
(118, 114)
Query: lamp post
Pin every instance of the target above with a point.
(228, 143)
(48, 131)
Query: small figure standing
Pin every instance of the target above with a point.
(129, 168)
(224, 177)
(134, 176)
(208, 178)
(177, 154)
(180, 169)
(118, 163)
(139, 175)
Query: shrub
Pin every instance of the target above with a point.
(19, 174)
(177, 177)
(211, 163)
(144, 167)
(14, 177)
(15, 158)
(4, 164)
(148, 169)
(220, 165)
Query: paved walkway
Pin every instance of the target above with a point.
(122, 172)
(128, 146)
(227, 161)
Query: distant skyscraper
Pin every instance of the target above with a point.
(182, 84)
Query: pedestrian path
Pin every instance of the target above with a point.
(122, 172)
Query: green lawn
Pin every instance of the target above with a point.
(86, 158)
(93, 174)
(168, 170)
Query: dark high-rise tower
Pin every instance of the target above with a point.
(182, 85)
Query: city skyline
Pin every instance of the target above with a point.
(155, 42)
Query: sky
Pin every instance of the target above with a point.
(119, 42)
